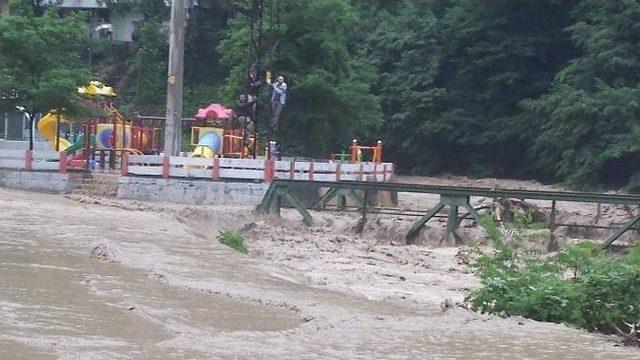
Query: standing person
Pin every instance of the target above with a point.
(101, 29)
(109, 31)
(243, 111)
(278, 99)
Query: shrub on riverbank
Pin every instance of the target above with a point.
(233, 240)
(578, 286)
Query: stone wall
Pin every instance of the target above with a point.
(195, 192)
(52, 182)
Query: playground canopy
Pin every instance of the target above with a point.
(215, 111)
(96, 88)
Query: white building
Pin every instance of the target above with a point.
(123, 22)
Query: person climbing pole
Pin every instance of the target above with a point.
(253, 84)
(278, 99)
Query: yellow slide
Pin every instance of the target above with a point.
(47, 128)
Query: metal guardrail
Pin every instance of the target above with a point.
(452, 197)
(569, 196)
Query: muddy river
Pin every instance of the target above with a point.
(120, 280)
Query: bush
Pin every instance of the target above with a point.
(233, 240)
(579, 286)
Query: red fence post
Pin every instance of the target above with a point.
(28, 157)
(269, 170)
(165, 167)
(124, 163)
(62, 162)
(311, 171)
(215, 171)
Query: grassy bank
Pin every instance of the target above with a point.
(580, 286)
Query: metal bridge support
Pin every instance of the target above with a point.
(452, 197)
(272, 202)
(341, 194)
(618, 232)
(453, 202)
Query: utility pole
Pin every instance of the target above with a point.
(174, 78)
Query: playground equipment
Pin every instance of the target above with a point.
(356, 151)
(47, 127)
(96, 88)
(217, 132)
(108, 136)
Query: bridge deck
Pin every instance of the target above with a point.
(451, 197)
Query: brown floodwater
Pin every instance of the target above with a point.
(163, 288)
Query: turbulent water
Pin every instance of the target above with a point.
(86, 281)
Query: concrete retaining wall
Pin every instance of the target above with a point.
(194, 192)
(52, 182)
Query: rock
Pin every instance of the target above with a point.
(104, 252)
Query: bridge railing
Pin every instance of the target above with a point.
(254, 169)
(33, 160)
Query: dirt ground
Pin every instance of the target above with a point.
(93, 278)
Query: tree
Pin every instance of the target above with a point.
(590, 116)
(453, 75)
(330, 99)
(40, 66)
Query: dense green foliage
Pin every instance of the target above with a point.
(233, 240)
(590, 115)
(453, 76)
(546, 89)
(40, 64)
(578, 286)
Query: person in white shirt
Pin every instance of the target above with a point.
(278, 99)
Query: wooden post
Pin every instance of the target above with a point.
(165, 166)
(384, 173)
(338, 171)
(85, 145)
(112, 159)
(6, 126)
(62, 162)
(360, 173)
(452, 224)
(553, 242)
(124, 163)
(31, 119)
(363, 219)
(292, 170)
(216, 169)
(57, 131)
(379, 148)
(115, 135)
(28, 158)
(311, 171)
(102, 159)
